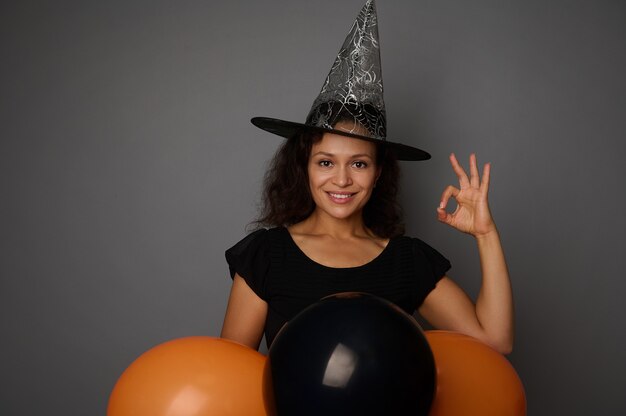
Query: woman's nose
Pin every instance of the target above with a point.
(343, 178)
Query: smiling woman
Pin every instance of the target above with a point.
(342, 178)
(335, 226)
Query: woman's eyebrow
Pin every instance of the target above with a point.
(353, 156)
(363, 155)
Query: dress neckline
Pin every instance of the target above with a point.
(291, 241)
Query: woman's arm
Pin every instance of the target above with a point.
(447, 306)
(245, 315)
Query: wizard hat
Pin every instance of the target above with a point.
(352, 93)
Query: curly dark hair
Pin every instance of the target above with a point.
(287, 196)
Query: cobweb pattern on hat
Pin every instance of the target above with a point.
(353, 89)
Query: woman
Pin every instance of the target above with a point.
(330, 196)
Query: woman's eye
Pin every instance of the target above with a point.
(359, 164)
(325, 163)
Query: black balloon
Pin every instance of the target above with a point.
(350, 354)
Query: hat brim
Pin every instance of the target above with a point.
(289, 129)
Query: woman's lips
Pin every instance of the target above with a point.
(341, 197)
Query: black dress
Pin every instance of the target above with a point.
(282, 275)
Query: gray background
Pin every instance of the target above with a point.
(128, 165)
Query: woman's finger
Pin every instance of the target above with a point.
(460, 173)
(449, 192)
(474, 178)
(444, 216)
(484, 184)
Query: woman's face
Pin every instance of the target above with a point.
(342, 174)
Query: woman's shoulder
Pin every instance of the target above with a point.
(258, 237)
(424, 251)
(407, 239)
(251, 256)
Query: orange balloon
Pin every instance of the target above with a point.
(194, 376)
(473, 379)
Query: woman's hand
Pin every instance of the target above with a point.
(472, 214)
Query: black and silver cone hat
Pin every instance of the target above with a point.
(352, 93)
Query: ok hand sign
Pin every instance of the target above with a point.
(472, 214)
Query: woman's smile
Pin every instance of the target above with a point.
(341, 197)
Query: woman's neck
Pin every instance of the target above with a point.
(340, 228)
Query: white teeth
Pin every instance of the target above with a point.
(340, 196)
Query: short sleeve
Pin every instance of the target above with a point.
(250, 259)
(431, 267)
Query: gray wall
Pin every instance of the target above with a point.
(128, 165)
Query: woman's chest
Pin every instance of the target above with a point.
(340, 254)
